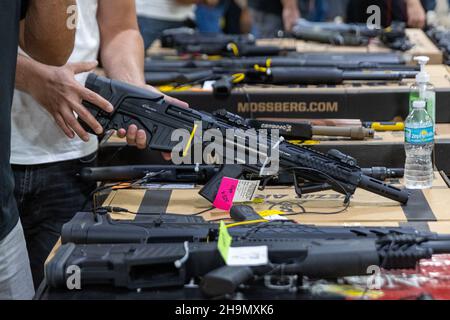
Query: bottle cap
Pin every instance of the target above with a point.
(422, 76)
(419, 104)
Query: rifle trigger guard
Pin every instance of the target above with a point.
(291, 283)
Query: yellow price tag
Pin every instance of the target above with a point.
(224, 241)
(268, 213)
(304, 142)
(257, 200)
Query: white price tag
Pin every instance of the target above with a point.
(208, 85)
(245, 190)
(248, 256)
(275, 217)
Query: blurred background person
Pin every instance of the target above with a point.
(336, 9)
(209, 18)
(411, 12)
(227, 16)
(271, 16)
(155, 16)
(429, 5)
(238, 11)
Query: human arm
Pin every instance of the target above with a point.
(416, 13)
(291, 13)
(44, 32)
(57, 90)
(122, 54)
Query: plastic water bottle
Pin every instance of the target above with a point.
(419, 143)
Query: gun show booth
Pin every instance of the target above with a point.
(307, 167)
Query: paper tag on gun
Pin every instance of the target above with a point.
(208, 85)
(240, 256)
(235, 191)
(247, 256)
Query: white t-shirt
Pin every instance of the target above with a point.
(36, 138)
(164, 10)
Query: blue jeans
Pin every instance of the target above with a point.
(151, 29)
(265, 25)
(15, 274)
(48, 196)
(430, 4)
(208, 18)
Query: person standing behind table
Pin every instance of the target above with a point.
(44, 35)
(208, 18)
(271, 16)
(46, 154)
(409, 11)
(155, 16)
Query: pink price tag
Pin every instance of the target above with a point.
(225, 196)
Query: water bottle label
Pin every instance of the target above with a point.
(419, 135)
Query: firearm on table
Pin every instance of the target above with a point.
(233, 49)
(346, 123)
(225, 80)
(306, 69)
(394, 36)
(200, 174)
(164, 265)
(188, 41)
(179, 37)
(312, 171)
(147, 227)
(346, 61)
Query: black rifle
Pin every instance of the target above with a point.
(188, 41)
(233, 49)
(303, 76)
(345, 61)
(226, 79)
(87, 228)
(197, 174)
(163, 265)
(302, 70)
(313, 171)
(357, 29)
(394, 37)
(180, 37)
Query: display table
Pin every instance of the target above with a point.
(427, 210)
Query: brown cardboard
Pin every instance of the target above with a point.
(428, 206)
(422, 46)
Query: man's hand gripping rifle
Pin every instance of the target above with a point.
(313, 171)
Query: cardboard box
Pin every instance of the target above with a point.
(427, 209)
